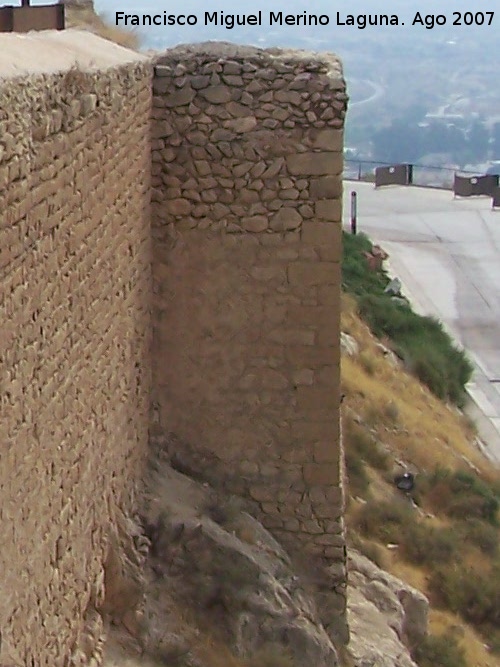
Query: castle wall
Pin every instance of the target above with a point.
(237, 374)
(247, 192)
(74, 350)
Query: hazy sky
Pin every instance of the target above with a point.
(388, 57)
(322, 36)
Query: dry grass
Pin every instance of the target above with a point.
(84, 18)
(405, 415)
(476, 654)
(423, 432)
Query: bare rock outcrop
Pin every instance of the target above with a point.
(220, 561)
(348, 344)
(387, 618)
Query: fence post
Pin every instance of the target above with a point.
(410, 174)
(354, 212)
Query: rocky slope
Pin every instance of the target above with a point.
(219, 590)
(387, 618)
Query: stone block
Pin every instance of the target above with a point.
(327, 187)
(313, 273)
(286, 219)
(329, 139)
(218, 94)
(329, 209)
(321, 474)
(325, 235)
(318, 399)
(177, 98)
(241, 125)
(325, 451)
(313, 431)
(315, 164)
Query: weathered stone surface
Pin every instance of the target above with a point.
(76, 190)
(178, 206)
(329, 140)
(217, 94)
(327, 187)
(328, 209)
(179, 97)
(221, 134)
(237, 269)
(199, 81)
(286, 219)
(240, 125)
(255, 223)
(387, 617)
(224, 553)
(314, 164)
(274, 168)
(348, 344)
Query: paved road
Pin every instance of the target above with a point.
(446, 252)
(377, 91)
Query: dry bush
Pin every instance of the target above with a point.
(481, 535)
(428, 545)
(459, 494)
(86, 19)
(473, 595)
(368, 548)
(391, 411)
(357, 477)
(439, 651)
(359, 442)
(368, 362)
(76, 82)
(384, 521)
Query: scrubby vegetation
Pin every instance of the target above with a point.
(427, 350)
(440, 651)
(459, 494)
(83, 16)
(442, 537)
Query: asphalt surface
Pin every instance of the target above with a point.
(446, 252)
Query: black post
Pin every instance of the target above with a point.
(410, 174)
(354, 212)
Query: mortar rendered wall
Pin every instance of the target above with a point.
(247, 191)
(74, 306)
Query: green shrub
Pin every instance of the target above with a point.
(439, 651)
(494, 641)
(459, 494)
(358, 481)
(391, 412)
(475, 596)
(359, 443)
(428, 350)
(428, 545)
(481, 535)
(384, 521)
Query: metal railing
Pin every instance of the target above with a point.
(462, 183)
(27, 17)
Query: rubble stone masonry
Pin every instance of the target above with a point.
(74, 350)
(247, 196)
